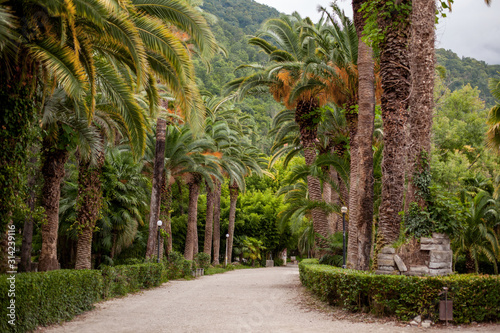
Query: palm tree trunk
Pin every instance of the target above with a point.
(470, 264)
(216, 234)
(191, 235)
(166, 204)
(88, 207)
(207, 246)
(364, 137)
(54, 160)
(395, 78)
(354, 184)
(422, 96)
(233, 197)
(308, 131)
(154, 212)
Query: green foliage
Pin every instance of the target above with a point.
(177, 266)
(397, 12)
(465, 70)
(202, 260)
(121, 280)
(16, 134)
(475, 297)
(252, 249)
(46, 298)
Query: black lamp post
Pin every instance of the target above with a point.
(225, 260)
(343, 210)
(159, 223)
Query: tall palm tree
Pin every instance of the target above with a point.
(285, 76)
(422, 66)
(395, 80)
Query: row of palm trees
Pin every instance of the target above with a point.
(332, 61)
(96, 71)
(222, 151)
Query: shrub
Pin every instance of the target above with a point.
(475, 297)
(120, 280)
(202, 260)
(49, 297)
(278, 262)
(332, 260)
(177, 266)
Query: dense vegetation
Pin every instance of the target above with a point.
(241, 131)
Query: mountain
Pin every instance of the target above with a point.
(461, 72)
(236, 20)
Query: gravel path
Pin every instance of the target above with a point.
(247, 300)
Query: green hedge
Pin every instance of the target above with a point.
(49, 297)
(121, 280)
(46, 298)
(475, 297)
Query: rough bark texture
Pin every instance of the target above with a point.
(422, 92)
(166, 204)
(88, 207)
(216, 234)
(364, 137)
(207, 246)
(233, 197)
(395, 78)
(26, 247)
(192, 234)
(53, 171)
(352, 215)
(304, 116)
(154, 211)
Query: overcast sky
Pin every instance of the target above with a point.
(471, 30)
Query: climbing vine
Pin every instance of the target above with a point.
(17, 133)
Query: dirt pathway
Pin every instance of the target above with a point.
(248, 300)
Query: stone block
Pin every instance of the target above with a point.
(400, 264)
(434, 247)
(388, 250)
(441, 256)
(386, 268)
(382, 256)
(442, 236)
(440, 265)
(435, 241)
(380, 272)
(269, 263)
(419, 269)
(426, 240)
(435, 272)
(385, 262)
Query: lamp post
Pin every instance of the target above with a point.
(225, 260)
(343, 210)
(159, 223)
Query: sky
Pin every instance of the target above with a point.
(472, 29)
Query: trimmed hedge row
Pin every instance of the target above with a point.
(121, 280)
(46, 298)
(49, 297)
(475, 297)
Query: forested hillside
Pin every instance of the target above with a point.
(461, 72)
(238, 19)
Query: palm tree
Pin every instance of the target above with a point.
(286, 77)
(422, 65)
(360, 239)
(476, 236)
(395, 80)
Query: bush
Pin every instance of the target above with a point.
(177, 266)
(202, 260)
(278, 262)
(49, 297)
(475, 297)
(332, 260)
(121, 280)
